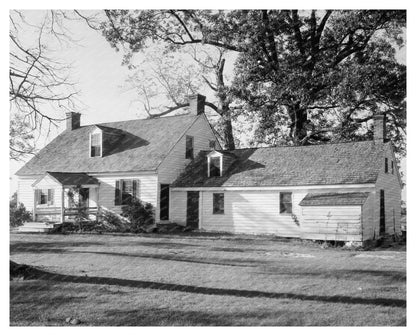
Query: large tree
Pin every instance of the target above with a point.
(177, 29)
(322, 76)
(307, 76)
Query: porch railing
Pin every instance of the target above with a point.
(75, 211)
(54, 213)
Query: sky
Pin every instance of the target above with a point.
(100, 76)
(97, 69)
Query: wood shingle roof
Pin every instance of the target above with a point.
(143, 145)
(338, 163)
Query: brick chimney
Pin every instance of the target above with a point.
(196, 104)
(73, 120)
(380, 127)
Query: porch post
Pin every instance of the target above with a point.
(35, 198)
(62, 204)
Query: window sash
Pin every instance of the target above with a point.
(125, 190)
(218, 203)
(95, 145)
(386, 165)
(285, 202)
(189, 151)
(45, 196)
(215, 169)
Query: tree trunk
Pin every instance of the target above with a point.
(227, 130)
(299, 118)
(224, 108)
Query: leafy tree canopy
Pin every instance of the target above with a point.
(304, 76)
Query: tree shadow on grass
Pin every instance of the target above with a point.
(42, 247)
(341, 274)
(44, 275)
(235, 262)
(169, 317)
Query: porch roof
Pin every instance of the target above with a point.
(70, 179)
(323, 199)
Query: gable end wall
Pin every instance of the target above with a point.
(175, 162)
(390, 183)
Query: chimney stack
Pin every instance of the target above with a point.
(380, 127)
(196, 104)
(73, 120)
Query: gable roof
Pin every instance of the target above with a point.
(341, 163)
(73, 178)
(143, 145)
(352, 198)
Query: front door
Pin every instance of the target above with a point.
(192, 209)
(382, 213)
(164, 202)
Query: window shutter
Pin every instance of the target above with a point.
(136, 189)
(50, 196)
(117, 198)
(37, 195)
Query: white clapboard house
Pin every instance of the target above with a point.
(344, 191)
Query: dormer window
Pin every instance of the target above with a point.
(215, 166)
(96, 144)
(215, 160)
(219, 162)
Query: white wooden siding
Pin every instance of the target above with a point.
(257, 212)
(244, 212)
(147, 189)
(332, 223)
(392, 199)
(177, 209)
(174, 164)
(25, 193)
(370, 227)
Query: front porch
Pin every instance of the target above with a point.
(63, 197)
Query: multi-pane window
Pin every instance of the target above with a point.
(286, 202)
(95, 145)
(126, 191)
(212, 144)
(189, 151)
(215, 167)
(386, 165)
(218, 203)
(45, 196)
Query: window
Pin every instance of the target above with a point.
(386, 165)
(392, 167)
(95, 145)
(218, 204)
(215, 166)
(189, 152)
(212, 144)
(45, 196)
(126, 191)
(286, 202)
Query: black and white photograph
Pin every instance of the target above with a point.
(207, 167)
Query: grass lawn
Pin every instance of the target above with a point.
(203, 280)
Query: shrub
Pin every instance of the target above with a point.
(140, 214)
(108, 221)
(18, 213)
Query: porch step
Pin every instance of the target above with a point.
(37, 227)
